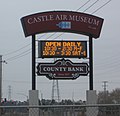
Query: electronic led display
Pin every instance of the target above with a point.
(61, 49)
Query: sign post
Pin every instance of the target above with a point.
(0, 81)
(33, 94)
(91, 62)
(33, 64)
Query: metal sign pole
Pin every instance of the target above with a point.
(33, 94)
(0, 81)
(33, 64)
(91, 62)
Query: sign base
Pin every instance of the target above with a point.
(33, 101)
(91, 98)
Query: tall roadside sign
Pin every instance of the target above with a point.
(62, 21)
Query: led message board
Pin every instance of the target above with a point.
(61, 49)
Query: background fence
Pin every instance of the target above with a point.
(62, 110)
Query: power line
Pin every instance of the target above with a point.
(101, 6)
(51, 36)
(83, 5)
(19, 55)
(42, 36)
(22, 54)
(77, 10)
(49, 82)
(58, 36)
(91, 5)
(87, 9)
(63, 33)
(39, 38)
(16, 50)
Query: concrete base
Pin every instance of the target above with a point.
(91, 98)
(33, 101)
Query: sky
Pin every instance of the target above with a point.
(16, 49)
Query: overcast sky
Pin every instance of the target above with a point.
(16, 49)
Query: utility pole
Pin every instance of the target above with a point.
(105, 90)
(105, 85)
(1, 61)
(9, 92)
(55, 91)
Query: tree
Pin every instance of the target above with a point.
(115, 96)
(106, 97)
(103, 97)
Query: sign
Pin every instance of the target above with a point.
(62, 69)
(62, 21)
(61, 49)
